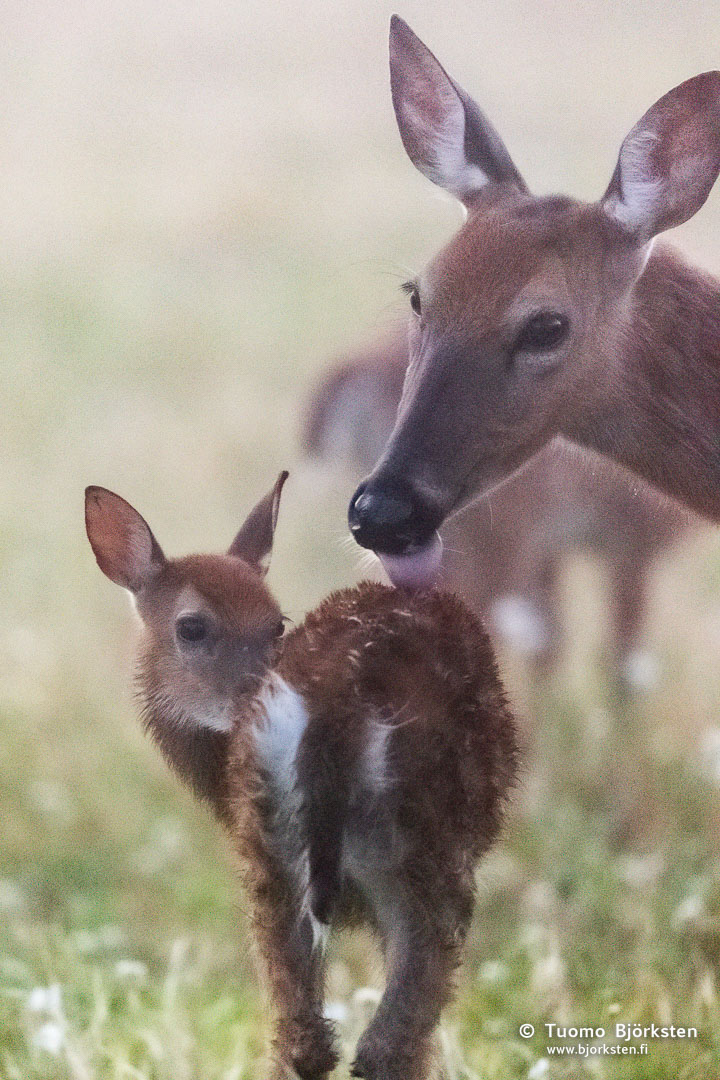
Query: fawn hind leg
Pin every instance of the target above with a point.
(634, 667)
(422, 944)
(292, 963)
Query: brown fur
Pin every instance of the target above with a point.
(636, 373)
(421, 666)
(401, 775)
(514, 540)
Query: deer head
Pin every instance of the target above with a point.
(517, 324)
(210, 622)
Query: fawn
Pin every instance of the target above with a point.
(505, 552)
(360, 763)
(548, 316)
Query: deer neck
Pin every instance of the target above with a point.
(198, 755)
(660, 410)
(195, 744)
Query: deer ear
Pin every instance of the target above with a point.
(669, 161)
(125, 549)
(254, 542)
(447, 136)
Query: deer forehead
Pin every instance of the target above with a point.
(508, 259)
(223, 587)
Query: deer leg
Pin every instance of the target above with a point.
(422, 945)
(292, 964)
(542, 643)
(634, 667)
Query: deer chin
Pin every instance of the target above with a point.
(418, 569)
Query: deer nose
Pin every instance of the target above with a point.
(390, 517)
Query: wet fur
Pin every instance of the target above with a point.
(404, 759)
(360, 767)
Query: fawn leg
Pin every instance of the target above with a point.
(422, 951)
(292, 964)
(634, 668)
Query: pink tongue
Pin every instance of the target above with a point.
(416, 571)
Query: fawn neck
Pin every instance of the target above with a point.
(195, 747)
(660, 411)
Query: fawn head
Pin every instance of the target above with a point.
(514, 323)
(211, 625)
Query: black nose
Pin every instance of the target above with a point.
(390, 517)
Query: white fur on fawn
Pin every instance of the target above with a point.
(374, 760)
(282, 720)
(215, 719)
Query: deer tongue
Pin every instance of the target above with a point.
(417, 570)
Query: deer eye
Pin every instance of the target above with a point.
(192, 629)
(280, 628)
(543, 332)
(414, 293)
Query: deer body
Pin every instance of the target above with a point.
(548, 316)
(362, 766)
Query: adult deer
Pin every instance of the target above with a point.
(549, 316)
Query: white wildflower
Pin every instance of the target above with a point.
(691, 908)
(493, 971)
(45, 1003)
(45, 999)
(49, 1037)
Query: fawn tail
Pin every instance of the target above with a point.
(325, 782)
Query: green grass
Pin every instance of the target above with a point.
(198, 208)
(596, 908)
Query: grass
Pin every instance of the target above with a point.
(597, 908)
(198, 207)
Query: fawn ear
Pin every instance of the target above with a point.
(447, 136)
(669, 161)
(124, 547)
(254, 542)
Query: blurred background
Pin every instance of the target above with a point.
(200, 207)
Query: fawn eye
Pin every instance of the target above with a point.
(280, 628)
(543, 332)
(192, 629)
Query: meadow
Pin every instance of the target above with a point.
(199, 206)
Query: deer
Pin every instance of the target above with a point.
(504, 553)
(548, 316)
(360, 763)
